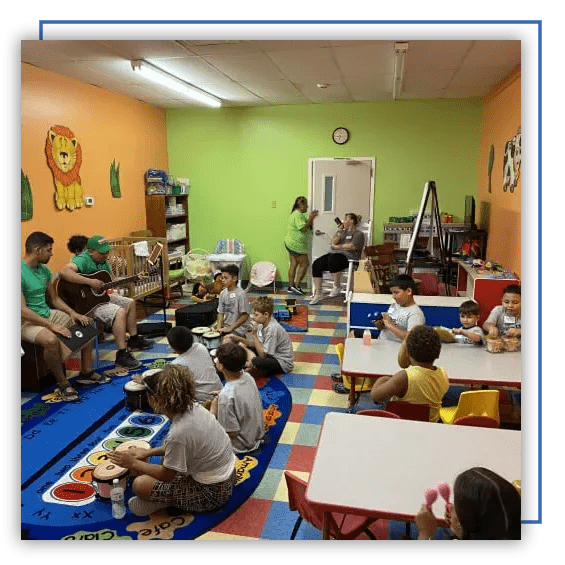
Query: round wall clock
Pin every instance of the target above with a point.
(340, 135)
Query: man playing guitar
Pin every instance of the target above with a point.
(119, 312)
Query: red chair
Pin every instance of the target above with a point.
(378, 413)
(342, 526)
(479, 421)
(408, 411)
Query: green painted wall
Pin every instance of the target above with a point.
(241, 159)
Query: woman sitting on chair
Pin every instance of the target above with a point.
(347, 244)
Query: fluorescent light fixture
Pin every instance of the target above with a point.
(157, 75)
(400, 50)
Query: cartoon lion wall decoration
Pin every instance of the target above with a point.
(64, 158)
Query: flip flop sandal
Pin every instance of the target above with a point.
(68, 393)
(92, 378)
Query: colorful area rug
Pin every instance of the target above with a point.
(63, 442)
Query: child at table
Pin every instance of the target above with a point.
(403, 314)
(420, 381)
(233, 306)
(470, 333)
(505, 320)
(197, 359)
(485, 507)
(238, 404)
(269, 350)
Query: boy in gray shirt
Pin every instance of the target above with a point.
(269, 350)
(404, 314)
(238, 405)
(233, 306)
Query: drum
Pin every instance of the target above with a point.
(134, 443)
(103, 477)
(213, 353)
(136, 397)
(198, 334)
(211, 340)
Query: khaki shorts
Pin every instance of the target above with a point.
(30, 331)
(106, 312)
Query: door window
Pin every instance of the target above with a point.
(329, 186)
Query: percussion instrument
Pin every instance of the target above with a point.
(103, 477)
(213, 352)
(198, 333)
(134, 443)
(136, 397)
(211, 340)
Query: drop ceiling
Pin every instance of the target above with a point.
(266, 73)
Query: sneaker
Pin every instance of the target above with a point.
(125, 359)
(340, 388)
(337, 378)
(138, 342)
(295, 289)
(315, 299)
(301, 290)
(335, 292)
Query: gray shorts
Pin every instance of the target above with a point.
(106, 312)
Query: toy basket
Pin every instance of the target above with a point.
(197, 267)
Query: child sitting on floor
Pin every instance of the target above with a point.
(196, 358)
(233, 306)
(238, 405)
(270, 349)
(485, 506)
(403, 314)
(420, 382)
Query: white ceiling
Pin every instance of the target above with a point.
(265, 73)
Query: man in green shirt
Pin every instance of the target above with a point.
(119, 313)
(40, 322)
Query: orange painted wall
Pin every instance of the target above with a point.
(108, 126)
(501, 120)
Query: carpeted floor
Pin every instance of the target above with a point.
(265, 515)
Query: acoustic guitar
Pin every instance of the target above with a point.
(82, 298)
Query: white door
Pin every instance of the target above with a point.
(339, 186)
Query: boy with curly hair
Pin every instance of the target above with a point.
(420, 381)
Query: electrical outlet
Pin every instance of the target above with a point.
(89, 200)
(274, 204)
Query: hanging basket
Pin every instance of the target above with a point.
(197, 267)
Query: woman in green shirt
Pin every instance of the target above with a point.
(297, 242)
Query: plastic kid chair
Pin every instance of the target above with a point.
(342, 526)
(409, 411)
(228, 251)
(378, 414)
(366, 384)
(262, 274)
(479, 421)
(474, 402)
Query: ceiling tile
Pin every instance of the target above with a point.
(365, 60)
(443, 54)
(245, 67)
(494, 54)
(307, 66)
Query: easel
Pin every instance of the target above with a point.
(435, 221)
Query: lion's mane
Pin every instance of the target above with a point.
(64, 178)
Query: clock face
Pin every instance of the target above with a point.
(340, 135)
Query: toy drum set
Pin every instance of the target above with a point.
(135, 394)
(103, 477)
(208, 337)
(139, 443)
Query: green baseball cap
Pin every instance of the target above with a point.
(98, 243)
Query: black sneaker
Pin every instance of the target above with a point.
(300, 289)
(337, 378)
(295, 290)
(340, 388)
(125, 359)
(138, 342)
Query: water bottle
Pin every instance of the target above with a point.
(118, 504)
(367, 337)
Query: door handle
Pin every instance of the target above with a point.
(318, 232)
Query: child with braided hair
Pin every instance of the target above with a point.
(197, 472)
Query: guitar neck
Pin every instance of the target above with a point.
(120, 282)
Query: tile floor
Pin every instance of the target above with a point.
(266, 515)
